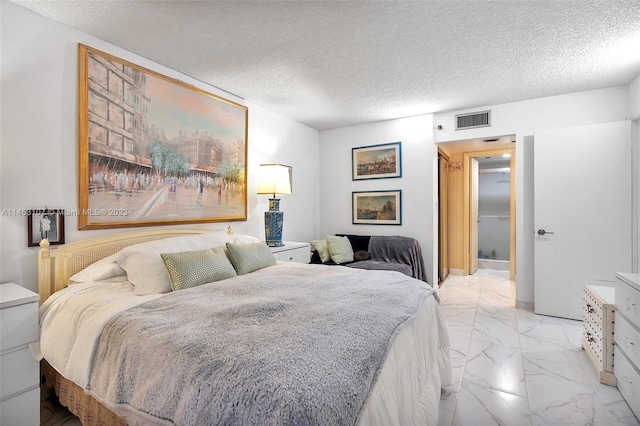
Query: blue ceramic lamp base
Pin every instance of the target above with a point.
(273, 220)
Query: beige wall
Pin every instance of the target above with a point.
(455, 217)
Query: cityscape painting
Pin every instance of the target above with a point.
(377, 207)
(154, 150)
(376, 161)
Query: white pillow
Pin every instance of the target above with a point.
(245, 239)
(145, 268)
(322, 249)
(100, 270)
(340, 249)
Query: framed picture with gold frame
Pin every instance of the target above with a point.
(154, 150)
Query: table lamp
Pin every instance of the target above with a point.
(274, 179)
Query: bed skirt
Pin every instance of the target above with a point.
(86, 408)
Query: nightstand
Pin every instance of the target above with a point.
(292, 252)
(598, 320)
(20, 385)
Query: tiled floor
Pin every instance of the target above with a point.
(512, 367)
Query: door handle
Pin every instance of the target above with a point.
(543, 232)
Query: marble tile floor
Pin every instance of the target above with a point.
(510, 366)
(513, 367)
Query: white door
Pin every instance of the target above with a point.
(474, 184)
(582, 178)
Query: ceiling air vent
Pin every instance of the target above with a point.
(473, 120)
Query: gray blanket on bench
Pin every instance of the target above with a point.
(302, 347)
(380, 265)
(399, 249)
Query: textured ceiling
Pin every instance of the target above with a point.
(331, 64)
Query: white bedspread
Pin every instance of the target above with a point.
(72, 319)
(406, 392)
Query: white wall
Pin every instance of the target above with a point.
(523, 119)
(417, 182)
(39, 148)
(634, 114)
(274, 138)
(636, 202)
(634, 99)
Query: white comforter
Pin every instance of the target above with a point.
(406, 392)
(72, 319)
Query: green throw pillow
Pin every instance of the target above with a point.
(194, 268)
(340, 249)
(250, 257)
(322, 249)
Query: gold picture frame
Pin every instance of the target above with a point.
(154, 150)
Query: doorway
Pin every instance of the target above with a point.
(494, 213)
(461, 252)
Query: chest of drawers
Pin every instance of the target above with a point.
(627, 339)
(598, 319)
(20, 385)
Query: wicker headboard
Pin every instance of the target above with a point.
(56, 265)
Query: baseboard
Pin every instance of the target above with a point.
(527, 306)
(456, 271)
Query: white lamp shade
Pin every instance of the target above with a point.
(274, 179)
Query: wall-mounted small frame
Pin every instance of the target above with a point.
(377, 207)
(45, 223)
(376, 161)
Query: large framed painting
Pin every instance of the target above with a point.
(154, 150)
(376, 161)
(377, 207)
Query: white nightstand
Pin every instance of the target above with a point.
(598, 321)
(20, 384)
(292, 252)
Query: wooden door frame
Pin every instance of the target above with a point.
(474, 196)
(512, 207)
(443, 211)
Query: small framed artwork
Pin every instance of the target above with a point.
(43, 224)
(377, 207)
(376, 161)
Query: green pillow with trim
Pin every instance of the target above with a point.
(193, 268)
(250, 257)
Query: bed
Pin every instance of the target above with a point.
(269, 343)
